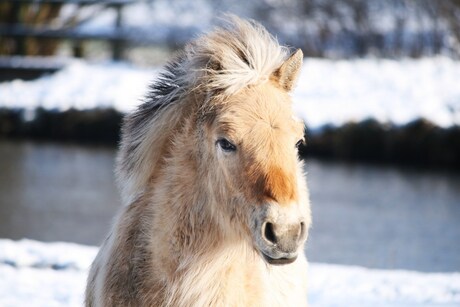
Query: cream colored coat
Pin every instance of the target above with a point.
(193, 231)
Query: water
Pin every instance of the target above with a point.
(56, 192)
(380, 217)
(384, 217)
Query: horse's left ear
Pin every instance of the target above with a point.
(288, 73)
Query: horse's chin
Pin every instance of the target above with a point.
(279, 261)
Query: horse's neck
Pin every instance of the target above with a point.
(229, 275)
(235, 275)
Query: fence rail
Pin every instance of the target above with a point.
(16, 28)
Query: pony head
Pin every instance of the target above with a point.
(224, 107)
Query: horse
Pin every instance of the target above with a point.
(216, 207)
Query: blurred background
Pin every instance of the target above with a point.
(379, 93)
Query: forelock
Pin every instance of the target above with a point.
(238, 54)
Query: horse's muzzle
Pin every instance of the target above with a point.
(281, 242)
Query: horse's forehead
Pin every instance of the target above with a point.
(259, 110)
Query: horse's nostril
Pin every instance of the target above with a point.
(302, 230)
(269, 233)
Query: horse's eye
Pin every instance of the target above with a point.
(226, 145)
(300, 143)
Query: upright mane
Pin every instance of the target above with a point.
(234, 56)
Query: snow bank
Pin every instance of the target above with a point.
(24, 287)
(56, 256)
(81, 86)
(339, 285)
(328, 92)
(387, 90)
(54, 274)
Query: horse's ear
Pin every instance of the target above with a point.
(288, 73)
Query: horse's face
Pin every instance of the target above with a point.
(253, 146)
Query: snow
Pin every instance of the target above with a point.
(23, 287)
(54, 274)
(328, 92)
(386, 90)
(80, 85)
(339, 285)
(58, 256)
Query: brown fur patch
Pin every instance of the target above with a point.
(277, 185)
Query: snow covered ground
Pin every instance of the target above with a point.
(54, 274)
(328, 92)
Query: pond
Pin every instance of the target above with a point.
(374, 216)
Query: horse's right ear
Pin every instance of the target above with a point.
(288, 73)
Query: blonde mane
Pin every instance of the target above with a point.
(232, 57)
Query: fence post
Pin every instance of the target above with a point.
(117, 43)
(15, 19)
